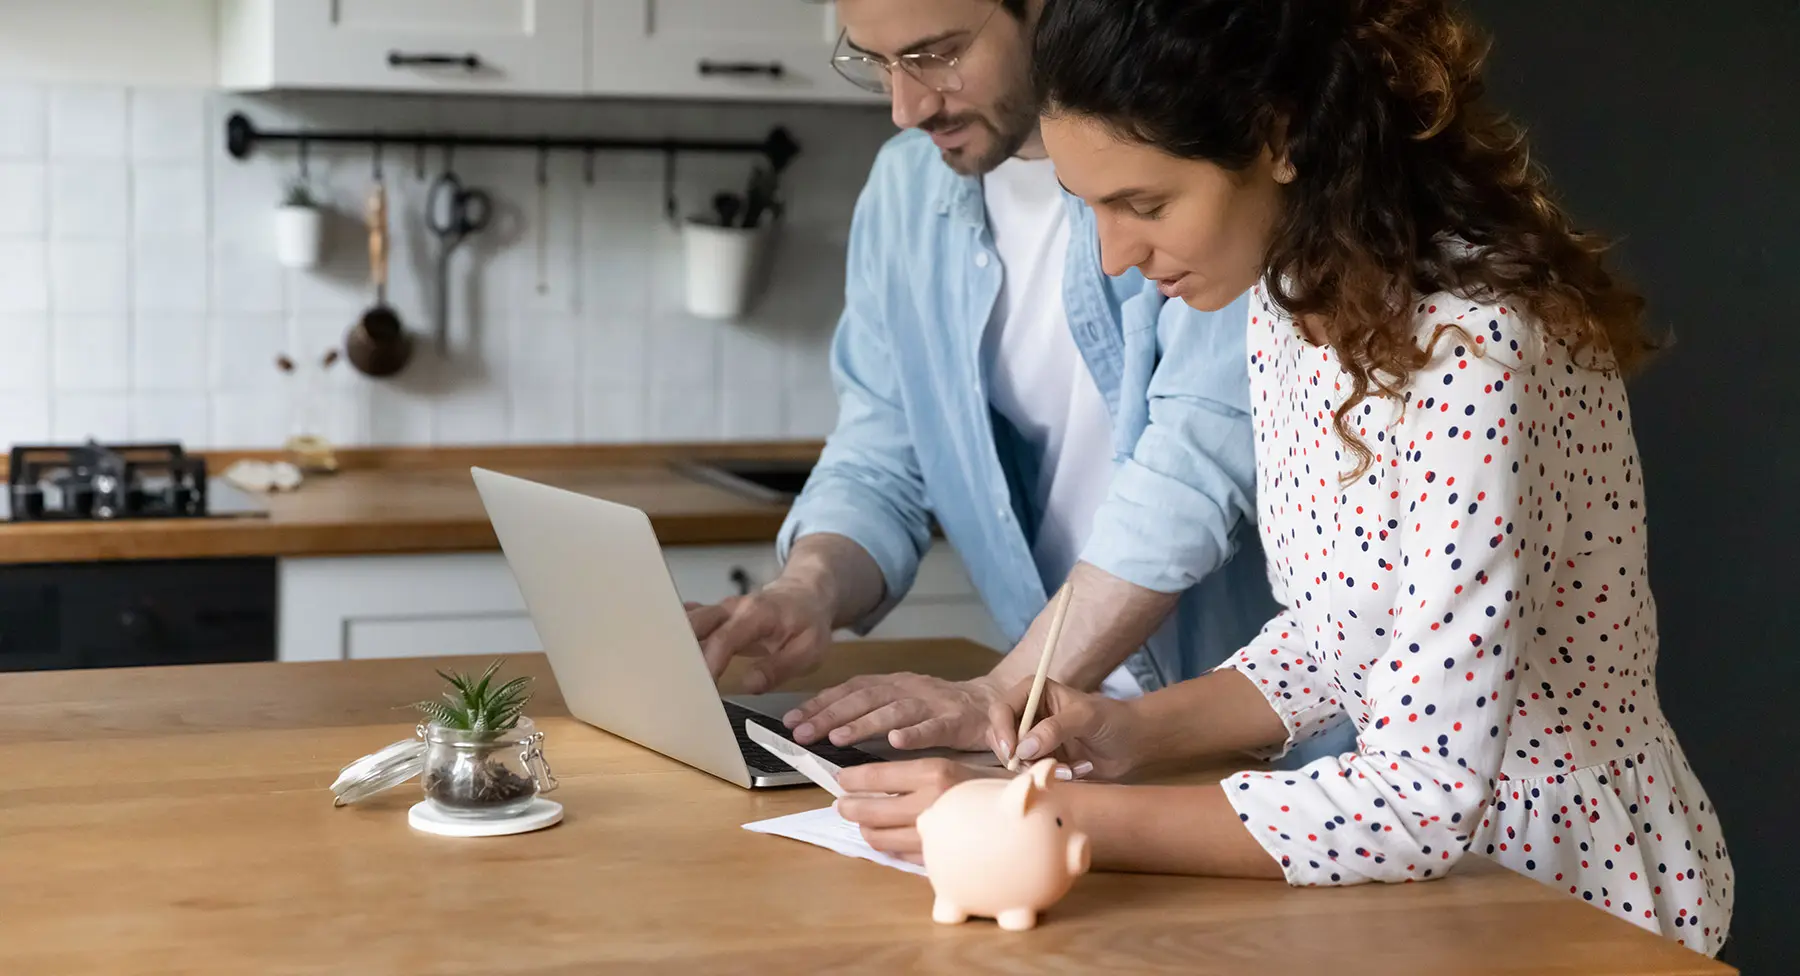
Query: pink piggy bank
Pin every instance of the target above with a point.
(1001, 849)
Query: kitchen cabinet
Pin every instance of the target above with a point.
(516, 47)
(361, 607)
(764, 50)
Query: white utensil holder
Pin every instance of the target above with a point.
(725, 267)
(299, 236)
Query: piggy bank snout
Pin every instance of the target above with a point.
(1079, 855)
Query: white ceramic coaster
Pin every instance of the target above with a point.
(426, 817)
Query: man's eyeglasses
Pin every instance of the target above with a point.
(937, 72)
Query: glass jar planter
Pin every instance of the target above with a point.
(484, 775)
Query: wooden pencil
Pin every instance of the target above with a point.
(1043, 669)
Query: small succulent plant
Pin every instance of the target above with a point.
(476, 704)
(298, 195)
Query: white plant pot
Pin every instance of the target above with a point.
(299, 236)
(724, 267)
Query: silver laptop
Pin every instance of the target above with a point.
(617, 636)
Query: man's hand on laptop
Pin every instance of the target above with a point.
(785, 628)
(912, 710)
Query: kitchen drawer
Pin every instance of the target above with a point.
(512, 47)
(491, 634)
(763, 50)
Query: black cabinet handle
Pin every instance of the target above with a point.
(774, 69)
(741, 580)
(400, 59)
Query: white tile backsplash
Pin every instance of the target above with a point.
(611, 416)
(25, 418)
(472, 416)
(179, 417)
(24, 201)
(250, 419)
(90, 200)
(246, 278)
(168, 125)
(90, 276)
(88, 123)
(24, 128)
(101, 416)
(24, 352)
(91, 353)
(545, 351)
(751, 382)
(396, 417)
(140, 295)
(24, 277)
(168, 200)
(544, 414)
(244, 351)
(168, 353)
(169, 275)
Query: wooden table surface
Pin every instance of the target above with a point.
(423, 500)
(178, 820)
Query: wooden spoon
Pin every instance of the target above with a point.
(378, 345)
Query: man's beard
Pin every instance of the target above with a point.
(1013, 122)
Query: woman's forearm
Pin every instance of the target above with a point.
(1167, 830)
(1216, 714)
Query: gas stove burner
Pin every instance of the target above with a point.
(92, 481)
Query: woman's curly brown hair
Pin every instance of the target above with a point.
(1378, 106)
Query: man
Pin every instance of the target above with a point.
(1057, 422)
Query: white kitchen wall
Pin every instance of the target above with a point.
(140, 297)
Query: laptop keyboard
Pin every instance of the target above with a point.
(761, 760)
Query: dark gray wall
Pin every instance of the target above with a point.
(1675, 125)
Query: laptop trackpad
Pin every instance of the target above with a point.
(777, 704)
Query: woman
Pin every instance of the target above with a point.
(1449, 486)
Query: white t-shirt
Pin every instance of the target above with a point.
(1037, 378)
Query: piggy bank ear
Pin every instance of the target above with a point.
(1027, 788)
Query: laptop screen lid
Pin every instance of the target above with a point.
(612, 624)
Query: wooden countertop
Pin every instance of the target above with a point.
(422, 500)
(178, 820)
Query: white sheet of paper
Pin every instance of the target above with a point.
(825, 828)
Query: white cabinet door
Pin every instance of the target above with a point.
(491, 46)
(401, 606)
(766, 50)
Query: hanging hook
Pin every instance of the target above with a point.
(304, 175)
(587, 166)
(670, 204)
(378, 159)
(450, 157)
(543, 167)
(419, 161)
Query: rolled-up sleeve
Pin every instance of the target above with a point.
(1281, 664)
(1168, 519)
(867, 485)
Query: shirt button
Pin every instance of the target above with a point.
(981, 259)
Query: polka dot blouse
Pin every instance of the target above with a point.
(1477, 603)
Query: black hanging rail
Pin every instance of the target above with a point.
(242, 137)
